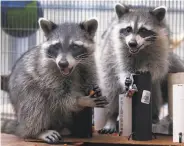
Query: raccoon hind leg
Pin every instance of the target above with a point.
(110, 126)
(112, 113)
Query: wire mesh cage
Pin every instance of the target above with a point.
(19, 27)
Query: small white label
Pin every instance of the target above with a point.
(146, 97)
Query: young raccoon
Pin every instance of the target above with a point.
(136, 41)
(48, 82)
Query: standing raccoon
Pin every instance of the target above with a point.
(137, 40)
(48, 82)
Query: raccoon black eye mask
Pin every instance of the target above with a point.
(53, 50)
(125, 31)
(143, 32)
(76, 51)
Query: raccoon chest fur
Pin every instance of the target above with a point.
(137, 63)
(66, 86)
(145, 61)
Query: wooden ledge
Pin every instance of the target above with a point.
(11, 140)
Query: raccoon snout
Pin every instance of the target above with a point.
(133, 44)
(63, 64)
(64, 67)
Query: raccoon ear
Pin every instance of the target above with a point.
(90, 26)
(47, 26)
(159, 12)
(121, 9)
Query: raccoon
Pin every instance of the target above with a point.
(48, 82)
(136, 41)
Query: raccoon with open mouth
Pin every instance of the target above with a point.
(48, 82)
(137, 40)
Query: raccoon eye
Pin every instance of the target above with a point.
(75, 47)
(129, 29)
(143, 29)
(126, 31)
(52, 51)
(143, 32)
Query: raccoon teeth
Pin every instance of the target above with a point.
(134, 51)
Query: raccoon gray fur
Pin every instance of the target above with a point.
(48, 82)
(137, 40)
(175, 65)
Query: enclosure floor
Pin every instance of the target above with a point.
(10, 140)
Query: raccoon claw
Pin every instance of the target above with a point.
(50, 136)
(101, 101)
(107, 131)
(87, 101)
(109, 128)
(111, 131)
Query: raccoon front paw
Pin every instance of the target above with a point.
(109, 128)
(50, 136)
(88, 101)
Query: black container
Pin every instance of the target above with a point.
(83, 124)
(142, 108)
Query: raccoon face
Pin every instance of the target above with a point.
(139, 29)
(68, 44)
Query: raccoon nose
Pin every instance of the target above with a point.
(133, 43)
(63, 63)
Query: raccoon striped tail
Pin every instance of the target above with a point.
(4, 82)
(8, 126)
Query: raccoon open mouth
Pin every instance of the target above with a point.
(66, 71)
(135, 51)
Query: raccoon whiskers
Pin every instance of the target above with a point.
(83, 61)
(154, 37)
(151, 38)
(81, 56)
